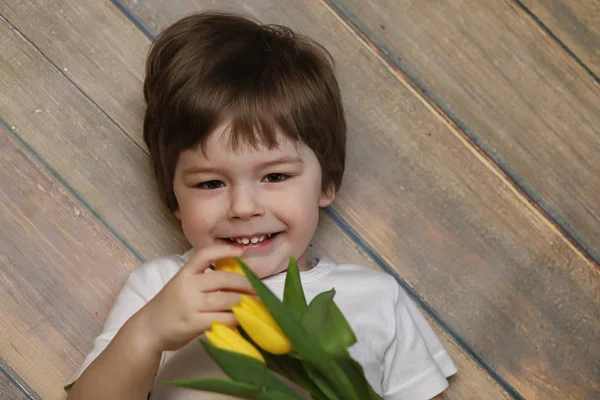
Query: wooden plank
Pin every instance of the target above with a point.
(576, 23)
(9, 390)
(122, 66)
(487, 261)
(456, 231)
(92, 155)
(58, 346)
(59, 268)
(510, 86)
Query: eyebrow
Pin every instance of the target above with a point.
(282, 160)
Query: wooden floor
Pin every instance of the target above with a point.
(473, 176)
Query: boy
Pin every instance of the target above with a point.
(246, 133)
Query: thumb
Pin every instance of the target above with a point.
(201, 259)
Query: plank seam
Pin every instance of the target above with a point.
(62, 72)
(12, 131)
(562, 44)
(460, 130)
(129, 15)
(10, 375)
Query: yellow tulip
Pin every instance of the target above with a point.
(228, 338)
(229, 265)
(258, 323)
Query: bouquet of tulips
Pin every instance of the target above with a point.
(305, 343)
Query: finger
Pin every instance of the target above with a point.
(225, 318)
(222, 280)
(202, 259)
(219, 301)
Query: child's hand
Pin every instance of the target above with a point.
(192, 300)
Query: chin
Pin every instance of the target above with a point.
(261, 270)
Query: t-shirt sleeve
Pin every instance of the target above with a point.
(416, 364)
(142, 284)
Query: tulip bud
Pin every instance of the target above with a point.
(229, 265)
(258, 323)
(228, 338)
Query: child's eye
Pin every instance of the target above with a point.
(210, 185)
(274, 178)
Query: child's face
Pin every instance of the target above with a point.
(267, 201)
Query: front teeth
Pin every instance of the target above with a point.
(253, 240)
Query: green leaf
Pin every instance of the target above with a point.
(293, 294)
(355, 372)
(275, 395)
(329, 393)
(238, 389)
(304, 343)
(288, 367)
(293, 369)
(325, 320)
(242, 368)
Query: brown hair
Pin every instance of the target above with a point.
(211, 67)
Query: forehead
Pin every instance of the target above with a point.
(219, 148)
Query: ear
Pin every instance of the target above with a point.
(177, 214)
(327, 197)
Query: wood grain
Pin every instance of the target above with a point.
(511, 87)
(576, 23)
(486, 260)
(77, 287)
(59, 268)
(83, 146)
(121, 66)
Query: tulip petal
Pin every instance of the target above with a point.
(263, 334)
(256, 307)
(227, 338)
(217, 341)
(229, 265)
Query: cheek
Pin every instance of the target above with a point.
(197, 220)
(301, 208)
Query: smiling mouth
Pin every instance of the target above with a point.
(250, 240)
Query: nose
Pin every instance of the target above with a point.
(245, 204)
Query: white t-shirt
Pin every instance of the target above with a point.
(402, 357)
